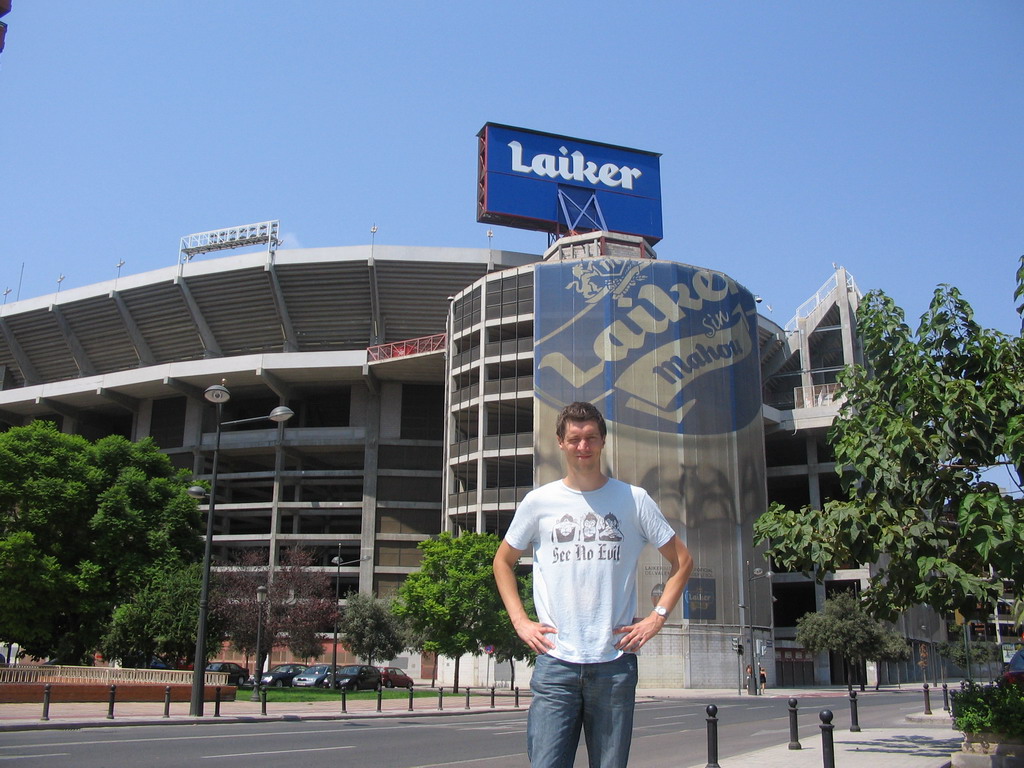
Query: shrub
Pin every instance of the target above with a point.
(995, 709)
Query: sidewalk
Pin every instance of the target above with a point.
(922, 741)
(926, 741)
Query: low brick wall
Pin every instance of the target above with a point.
(15, 693)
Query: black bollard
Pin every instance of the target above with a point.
(492, 697)
(517, 697)
(167, 701)
(110, 702)
(467, 697)
(854, 721)
(410, 698)
(440, 698)
(216, 702)
(46, 702)
(344, 703)
(712, 710)
(380, 696)
(828, 752)
(945, 697)
(263, 700)
(927, 700)
(794, 731)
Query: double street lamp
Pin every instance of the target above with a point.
(753, 679)
(337, 610)
(217, 394)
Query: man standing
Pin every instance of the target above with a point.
(586, 532)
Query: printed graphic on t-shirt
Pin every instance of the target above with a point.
(591, 538)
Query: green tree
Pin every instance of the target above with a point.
(452, 602)
(845, 628)
(917, 431)
(974, 653)
(894, 647)
(83, 526)
(370, 629)
(506, 643)
(160, 620)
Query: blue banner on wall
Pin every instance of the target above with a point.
(699, 599)
(656, 345)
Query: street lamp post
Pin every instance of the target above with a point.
(337, 607)
(217, 394)
(753, 687)
(925, 654)
(337, 599)
(261, 598)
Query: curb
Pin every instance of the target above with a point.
(128, 721)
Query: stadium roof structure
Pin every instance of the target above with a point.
(255, 316)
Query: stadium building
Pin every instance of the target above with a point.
(419, 407)
(425, 383)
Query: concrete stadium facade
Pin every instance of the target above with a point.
(408, 368)
(359, 465)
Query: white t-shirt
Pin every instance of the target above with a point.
(586, 545)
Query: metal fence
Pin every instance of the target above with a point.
(104, 675)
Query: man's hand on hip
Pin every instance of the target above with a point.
(636, 635)
(534, 634)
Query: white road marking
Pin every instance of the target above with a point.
(276, 752)
(466, 762)
(23, 757)
(676, 717)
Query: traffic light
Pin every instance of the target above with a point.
(737, 645)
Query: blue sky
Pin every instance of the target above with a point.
(883, 136)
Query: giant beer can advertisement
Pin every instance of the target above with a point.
(669, 354)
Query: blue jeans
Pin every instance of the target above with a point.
(567, 697)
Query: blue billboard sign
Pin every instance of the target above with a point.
(541, 181)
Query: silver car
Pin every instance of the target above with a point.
(313, 677)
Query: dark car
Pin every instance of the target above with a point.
(282, 674)
(236, 674)
(315, 675)
(393, 677)
(357, 677)
(1014, 672)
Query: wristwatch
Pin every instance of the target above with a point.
(661, 610)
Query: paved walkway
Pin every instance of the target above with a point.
(921, 741)
(924, 741)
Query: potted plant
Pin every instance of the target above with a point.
(992, 720)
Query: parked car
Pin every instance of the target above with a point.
(282, 674)
(236, 674)
(357, 677)
(312, 676)
(1014, 672)
(393, 677)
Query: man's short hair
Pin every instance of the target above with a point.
(580, 412)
